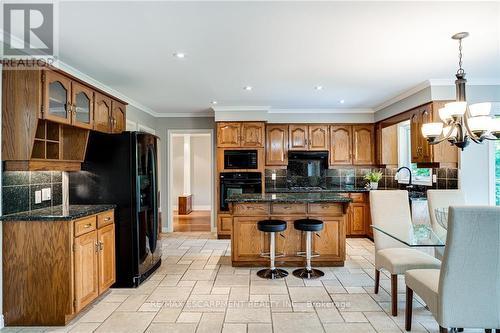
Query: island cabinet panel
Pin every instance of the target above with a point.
(277, 145)
(328, 242)
(299, 137)
(56, 268)
(247, 242)
(341, 145)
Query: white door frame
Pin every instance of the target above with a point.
(170, 134)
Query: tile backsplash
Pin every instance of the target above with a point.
(18, 190)
(354, 178)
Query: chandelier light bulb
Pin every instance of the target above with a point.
(444, 114)
(479, 125)
(432, 130)
(480, 109)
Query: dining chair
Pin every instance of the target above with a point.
(442, 199)
(465, 292)
(390, 210)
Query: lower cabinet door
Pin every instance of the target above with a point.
(106, 242)
(328, 243)
(357, 223)
(86, 269)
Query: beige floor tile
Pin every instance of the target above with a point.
(232, 281)
(189, 317)
(248, 312)
(382, 322)
(221, 290)
(239, 294)
(309, 294)
(349, 328)
(260, 328)
(354, 317)
(126, 322)
(202, 287)
(151, 307)
(165, 294)
(234, 328)
(259, 287)
(132, 303)
(280, 303)
(199, 275)
(206, 303)
(210, 322)
(114, 298)
(167, 315)
(171, 328)
(170, 280)
(99, 312)
(328, 313)
(296, 322)
(84, 328)
(303, 307)
(355, 302)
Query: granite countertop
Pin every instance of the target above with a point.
(316, 190)
(56, 213)
(289, 197)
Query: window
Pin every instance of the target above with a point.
(421, 176)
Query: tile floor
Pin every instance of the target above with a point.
(197, 290)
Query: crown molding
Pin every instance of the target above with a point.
(323, 111)
(239, 108)
(407, 93)
(202, 114)
(77, 73)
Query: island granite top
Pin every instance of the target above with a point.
(289, 197)
(317, 190)
(56, 213)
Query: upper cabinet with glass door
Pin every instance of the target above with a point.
(67, 101)
(57, 97)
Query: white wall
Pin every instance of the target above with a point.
(201, 178)
(177, 169)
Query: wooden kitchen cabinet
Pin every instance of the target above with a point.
(86, 269)
(318, 137)
(277, 144)
(117, 117)
(340, 145)
(363, 144)
(357, 225)
(240, 134)
(298, 136)
(422, 153)
(74, 261)
(82, 106)
(228, 134)
(252, 134)
(102, 113)
(328, 243)
(389, 146)
(56, 97)
(308, 137)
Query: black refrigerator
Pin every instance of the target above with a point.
(122, 169)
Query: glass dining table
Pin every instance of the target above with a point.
(419, 235)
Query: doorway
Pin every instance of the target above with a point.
(191, 181)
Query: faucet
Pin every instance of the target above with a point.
(409, 186)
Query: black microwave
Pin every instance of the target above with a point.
(240, 159)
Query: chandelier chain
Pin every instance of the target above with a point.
(460, 69)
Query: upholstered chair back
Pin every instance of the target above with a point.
(443, 199)
(469, 283)
(390, 209)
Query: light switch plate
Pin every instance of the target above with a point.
(38, 197)
(46, 194)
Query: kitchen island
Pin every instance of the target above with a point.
(247, 242)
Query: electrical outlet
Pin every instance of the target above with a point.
(434, 178)
(46, 194)
(38, 197)
(273, 176)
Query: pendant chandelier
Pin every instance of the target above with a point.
(460, 122)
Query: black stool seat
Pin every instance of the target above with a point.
(271, 225)
(308, 225)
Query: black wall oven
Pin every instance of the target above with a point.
(238, 183)
(240, 159)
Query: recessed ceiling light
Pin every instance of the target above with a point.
(214, 102)
(179, 55)
(248, 88)
(319, 87)
(342, 101)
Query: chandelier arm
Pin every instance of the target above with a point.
(469, 133)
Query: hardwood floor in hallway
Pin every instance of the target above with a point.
(197, 220)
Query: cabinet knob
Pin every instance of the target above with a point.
(88, 225)
(96, 247)
(107, 219)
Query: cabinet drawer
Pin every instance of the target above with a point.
(251, 209)
(105, 218)
(358, 197)
(325, 208)
(285, 209)
(85, 225)
(226, 224)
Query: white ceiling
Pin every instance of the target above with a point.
(362, 52)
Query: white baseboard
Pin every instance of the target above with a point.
(195, 207)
